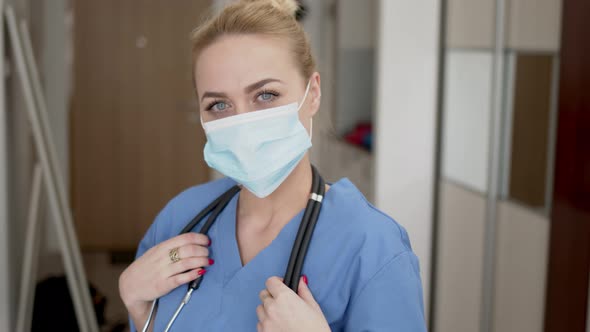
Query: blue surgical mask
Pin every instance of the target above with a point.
(258, 149)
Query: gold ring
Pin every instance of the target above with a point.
(174, 255)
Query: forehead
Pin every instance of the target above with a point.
(239, 60)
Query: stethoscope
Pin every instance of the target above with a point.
(300, 246)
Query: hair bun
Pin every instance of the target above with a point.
(289, 7)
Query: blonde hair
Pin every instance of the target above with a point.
(267, 17)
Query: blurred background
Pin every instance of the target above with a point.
(468, 121)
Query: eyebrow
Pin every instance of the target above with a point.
(210, 94)
(248, 89)
(260, 84)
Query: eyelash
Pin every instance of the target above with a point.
(271, 92)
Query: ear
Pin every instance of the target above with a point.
(315, 93)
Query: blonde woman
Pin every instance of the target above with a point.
(258, 91)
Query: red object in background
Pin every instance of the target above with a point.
(359, 133)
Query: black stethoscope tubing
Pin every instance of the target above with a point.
(300, 246)
(223, 201)
(306, 228)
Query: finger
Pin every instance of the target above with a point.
(263, 295)
(305, 293)
(268, 302)
(192, 250)
(184, 239)
(260, 313)
(276, 286)
(186, 264)
(266, 298)
(180, 279)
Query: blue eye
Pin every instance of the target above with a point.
(220, 106)
(217, 106)
(267, 96)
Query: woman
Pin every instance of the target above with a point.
(258, 91)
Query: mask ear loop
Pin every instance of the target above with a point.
(301, 104)
(304, 95)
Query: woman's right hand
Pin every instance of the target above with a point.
(154, 274)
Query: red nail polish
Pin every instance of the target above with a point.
(209, 243)
(305, 279)
(211, 261)
(201, 272)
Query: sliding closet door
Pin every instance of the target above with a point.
(498, 98)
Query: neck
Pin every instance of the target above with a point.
(282, 204)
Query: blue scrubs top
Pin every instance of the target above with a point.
(360, 266)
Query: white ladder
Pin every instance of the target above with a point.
(47, 174)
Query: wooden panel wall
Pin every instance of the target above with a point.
(136, 136)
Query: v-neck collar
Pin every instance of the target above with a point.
(230, 259)
(232, 263)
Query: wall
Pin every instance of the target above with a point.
(355, 62)
(405, 117)
(521, 269)
(466, 117)
(459, 259)
(521, 263)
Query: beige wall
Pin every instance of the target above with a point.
(470, 23)
(530, 24)
(534, 24)
(459, 259)
(521, 264)
(521, 269)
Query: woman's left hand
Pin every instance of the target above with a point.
(282, 310)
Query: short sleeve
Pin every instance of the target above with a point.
(148, 241)
(391, 300)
